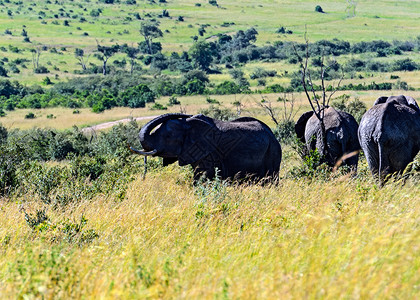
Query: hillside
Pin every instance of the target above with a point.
(57, 29)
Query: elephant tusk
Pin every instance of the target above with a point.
(150, 153)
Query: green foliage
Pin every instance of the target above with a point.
(158, 106)
(30, 115)
(229, 87)
(137, 96)
(202, 55)
(173, 100)
(212, 101)
(319, 9)
(312, 168)
(3, 71)
(47, 81)
(354, 107)
(219, 112)
(285, 131)
(66, 230)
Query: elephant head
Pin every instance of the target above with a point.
(179, 137)
(401, 99)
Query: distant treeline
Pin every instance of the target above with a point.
(140, 86)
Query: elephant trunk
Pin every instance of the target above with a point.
(144, 135)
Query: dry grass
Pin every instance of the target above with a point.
(65, 119)
(338, 239)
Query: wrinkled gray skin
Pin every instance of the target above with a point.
(341, 136)
(240, 148)
(389, 134)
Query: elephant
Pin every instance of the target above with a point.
(242, 148)
(389, 134)
(341, 136)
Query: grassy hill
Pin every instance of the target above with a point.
(95, 22)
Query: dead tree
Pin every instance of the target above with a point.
(269, 109)
(36, 53)
(289, 114)
(317, 102)
(80, 56)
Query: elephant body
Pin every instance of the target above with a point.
(239, 148)
(389, 134)
(341, 136)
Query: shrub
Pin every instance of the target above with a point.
(219, 112)
(354, 107)
(319, 9)
(30, 115)
(213, 2)
(41, 70)
(212, 101)
(3, 71)
(173, 100)
(285, 132)
(158, 106)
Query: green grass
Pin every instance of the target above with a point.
(386, 20)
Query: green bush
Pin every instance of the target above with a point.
(219, 112)
(354, 107)
(30, 115)
(285, 132)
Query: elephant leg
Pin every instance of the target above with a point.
(384, 164)
(401, 157)
(371, 151)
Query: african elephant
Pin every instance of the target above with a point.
(389, 134)
(239, 148)
(341, 136)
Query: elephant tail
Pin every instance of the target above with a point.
(384, 166)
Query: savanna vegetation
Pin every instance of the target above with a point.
(81, 218)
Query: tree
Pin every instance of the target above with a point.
(80, 55)
(131, 54)
(317, 102)
(105, 53)
(201, 55)
(36, 53)
(150, 30)
(3, 71)
(351, 8)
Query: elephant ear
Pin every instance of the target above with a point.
(412, 103)
(381, 100)
(200, 141)
(169, 160)
(301, 125)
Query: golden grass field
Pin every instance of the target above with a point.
(65, 119)
(341, 239)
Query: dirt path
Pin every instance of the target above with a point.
(113, 123)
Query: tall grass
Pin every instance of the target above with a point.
(341, 238)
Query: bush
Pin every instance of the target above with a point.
(354, 107)
(229, 87)
(319, 9)
(41, 70)
(219, 112)
(285, 132)
(30, 115)
(158, 106)
(173, 100)
(3, 71)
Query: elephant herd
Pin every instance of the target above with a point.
(388, 134)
